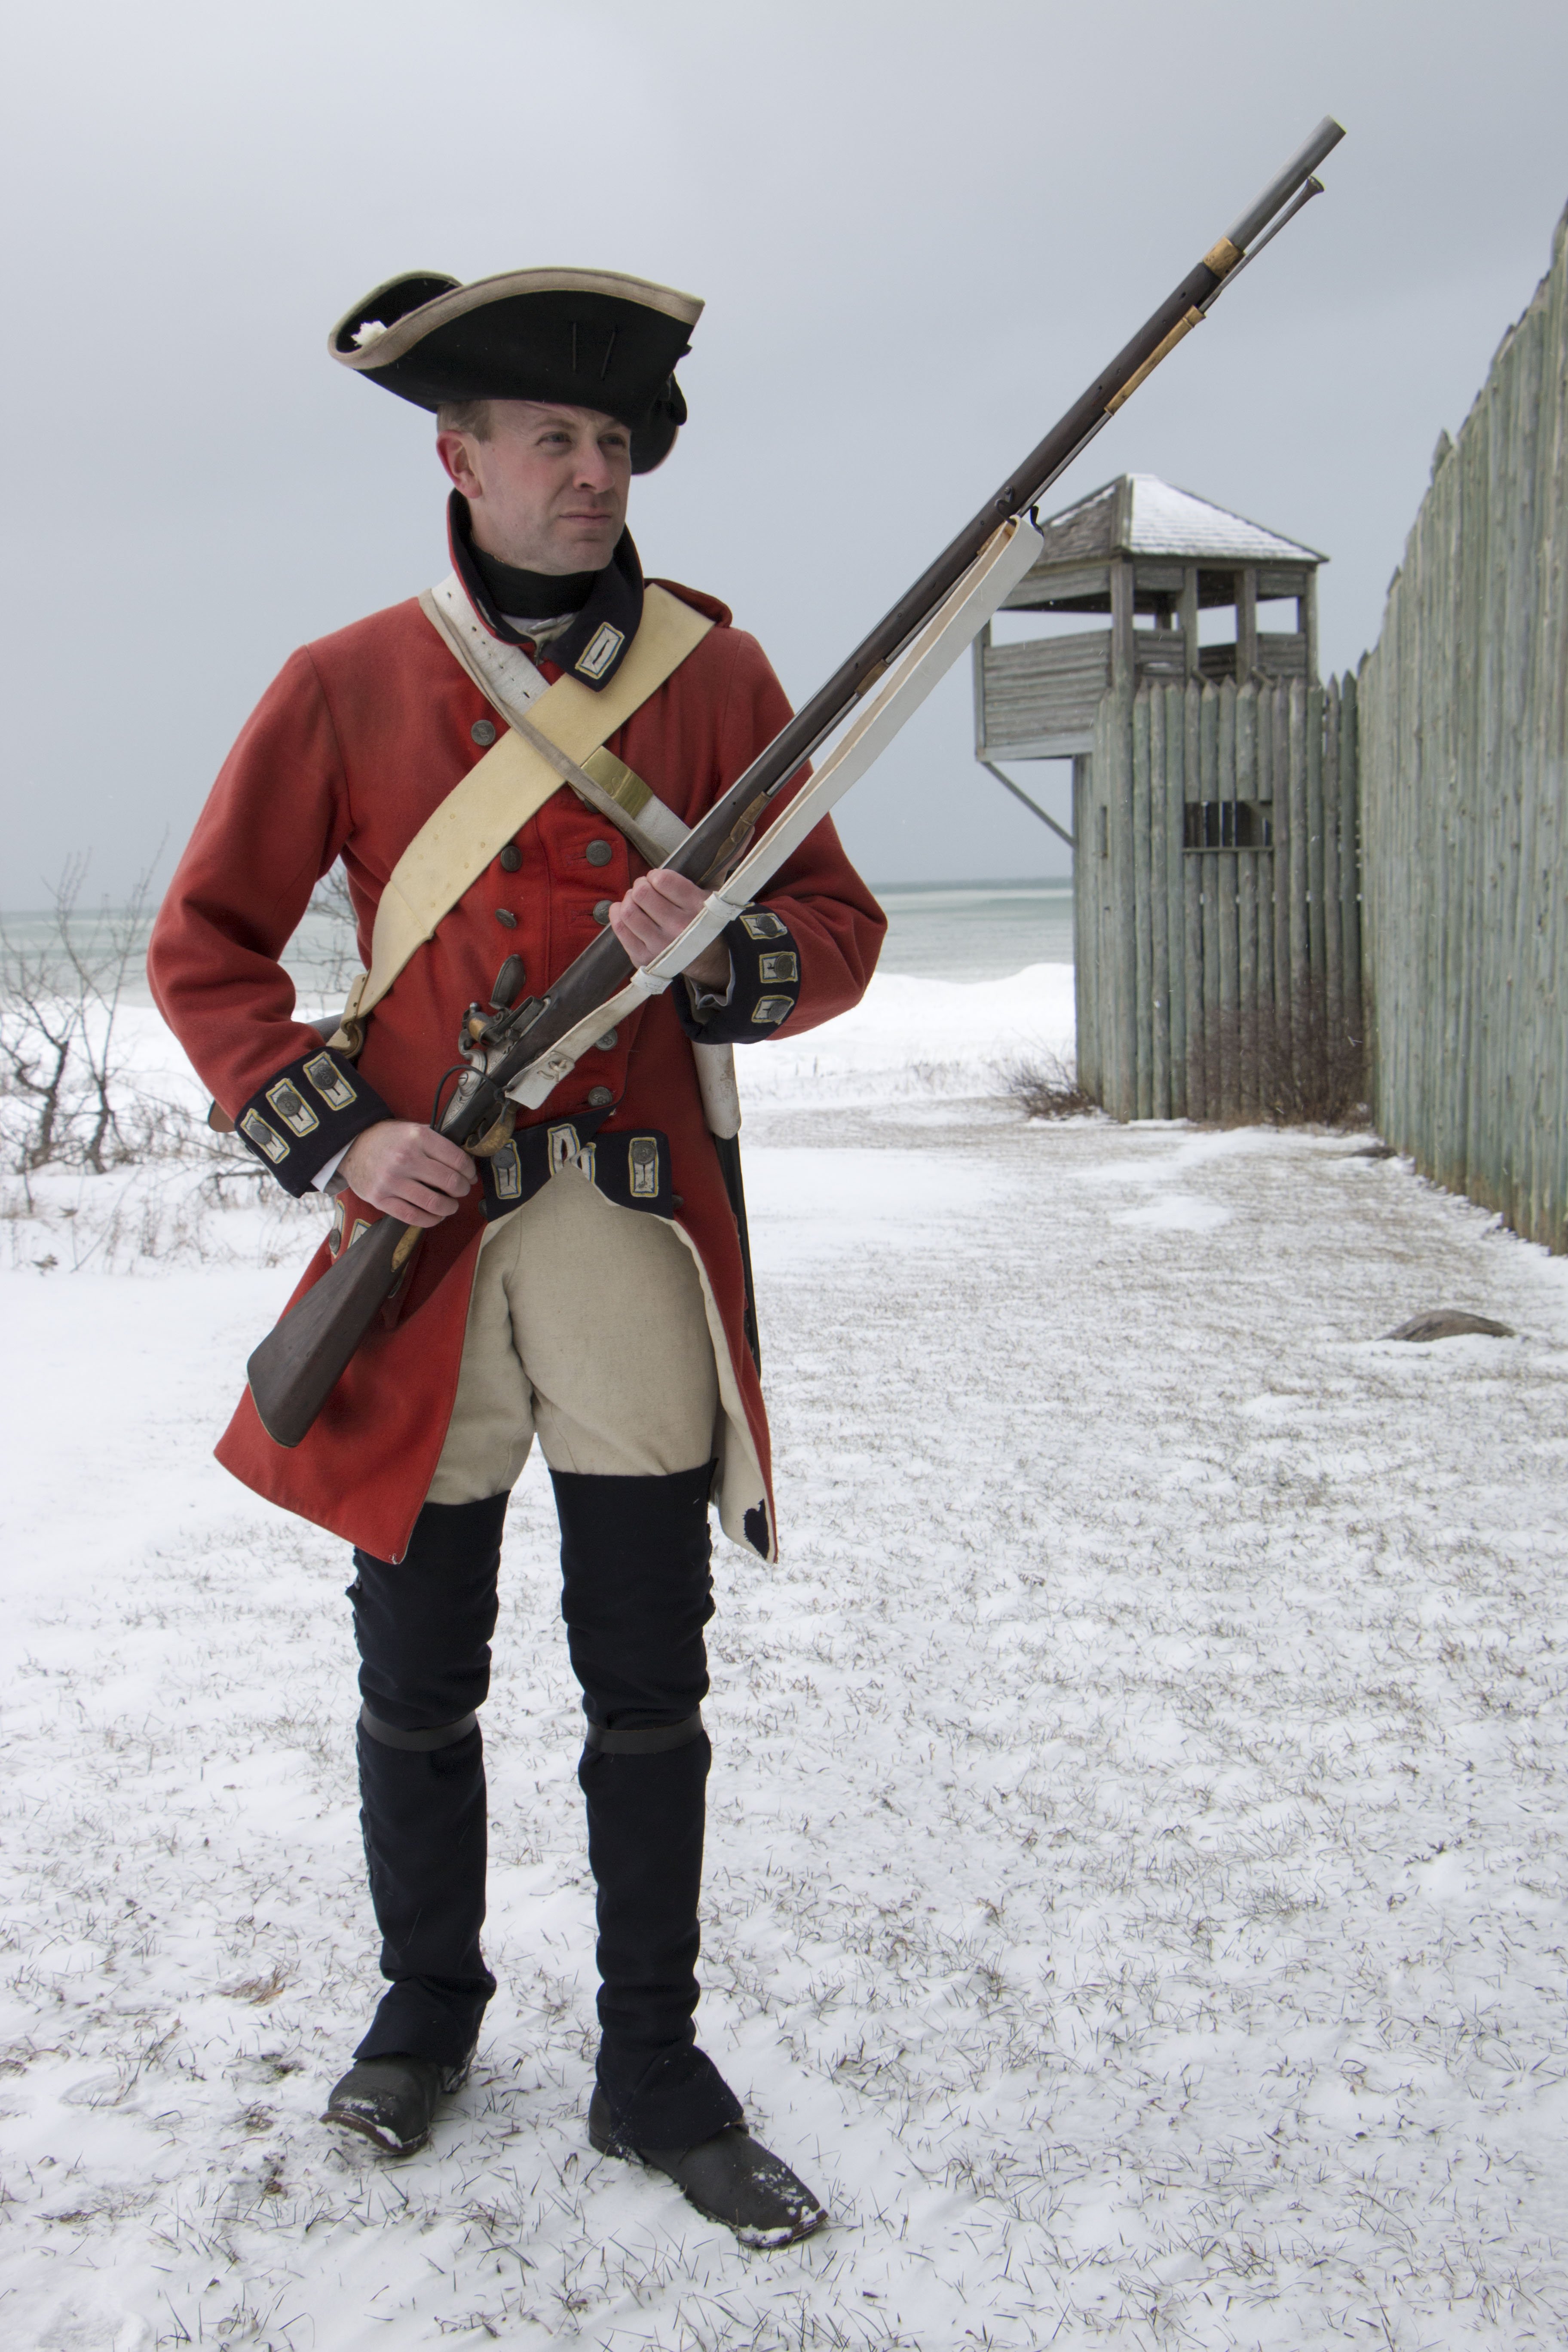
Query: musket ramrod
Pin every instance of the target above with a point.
(296, 1367)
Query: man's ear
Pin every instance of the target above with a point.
(457, 456)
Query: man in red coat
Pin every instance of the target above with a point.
(586, 1284)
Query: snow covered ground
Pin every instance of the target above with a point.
(1137, 1894)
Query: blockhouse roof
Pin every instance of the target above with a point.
(1138, 514)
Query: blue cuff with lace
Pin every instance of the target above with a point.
(310, 1111)
(764, 984)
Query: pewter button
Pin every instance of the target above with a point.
(504, 915)
(607, 1042)
(483, 731)
(602, 911)
(511, 858)
(599, 853)
(598, 1097)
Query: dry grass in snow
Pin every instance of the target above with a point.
(1136, 1881)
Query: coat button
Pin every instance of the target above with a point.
(599, 853)
(504, 915)
(607, 1043)
(599, 1098)
(483, 731)
(602, 911)
(511, 858)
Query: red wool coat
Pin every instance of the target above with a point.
(359, 739)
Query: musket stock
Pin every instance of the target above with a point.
(293, 1370)
(300, 1362)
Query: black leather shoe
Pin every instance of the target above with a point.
(729, 2179)
(392, 2100)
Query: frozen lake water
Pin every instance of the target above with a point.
(976, 930)
(966, 930)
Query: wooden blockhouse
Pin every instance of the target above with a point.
(1139, 551)
(1216, 867)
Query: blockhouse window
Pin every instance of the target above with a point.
(1227, 824)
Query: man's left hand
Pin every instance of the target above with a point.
(652, 916)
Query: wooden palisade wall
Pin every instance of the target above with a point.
(1198, 967)
(1464, 705)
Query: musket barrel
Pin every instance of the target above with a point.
(604, 966)
(1285, 184)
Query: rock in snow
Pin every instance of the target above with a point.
(1452, 1323)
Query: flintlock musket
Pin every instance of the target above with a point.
(523, 1054)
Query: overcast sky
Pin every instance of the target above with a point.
(919, 230)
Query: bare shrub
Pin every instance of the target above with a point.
(98, 1166)
(1044, 1086)
(1312, 1074)
(334, 935)
(1306, 1068)
(64, 1101)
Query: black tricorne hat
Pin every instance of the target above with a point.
(587, 338)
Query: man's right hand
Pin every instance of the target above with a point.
(407, 1171)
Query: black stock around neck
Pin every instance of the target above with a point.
(608, 605)
(537, 596)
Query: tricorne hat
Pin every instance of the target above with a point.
(586, 338)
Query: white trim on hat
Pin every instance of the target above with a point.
(402, 336)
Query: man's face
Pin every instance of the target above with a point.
(548, 490)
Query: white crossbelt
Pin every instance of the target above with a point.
(498, 796)
(514, 780)
(508, 679)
